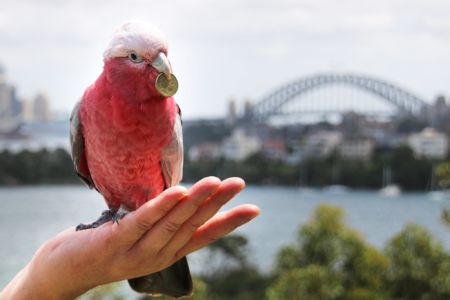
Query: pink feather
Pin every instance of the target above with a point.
(126, 123)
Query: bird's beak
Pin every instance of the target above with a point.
(161, 63)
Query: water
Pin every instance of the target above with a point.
(31, 215)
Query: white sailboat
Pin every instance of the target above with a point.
(436, 193)
(335, 188)
(389, 189)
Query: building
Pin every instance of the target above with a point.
(429, 144)
(232, 112)
(205, 151)
(356, 149)
(322, 143)
(41, 108)
(240, 145)
(7, 94)
(437, 114)
(274, 148)
(27, 110)
(10, 107)
(248, 111)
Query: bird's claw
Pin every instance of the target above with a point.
(106, 216)
(118, 216)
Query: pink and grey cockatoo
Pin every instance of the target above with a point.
(126, 137)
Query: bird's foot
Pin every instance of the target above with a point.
(106, 216)
(119, 216)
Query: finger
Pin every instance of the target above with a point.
(166, 227)
(136, 223)
(219, 226)
(227, 190)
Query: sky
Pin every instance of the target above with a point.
(234, 49)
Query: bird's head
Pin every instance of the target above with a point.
(136, 60)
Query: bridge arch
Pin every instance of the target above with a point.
(272, 104)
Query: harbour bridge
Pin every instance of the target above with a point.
(329, 93)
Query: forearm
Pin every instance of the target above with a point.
(38, 280)
(15, 288)
(26, 286)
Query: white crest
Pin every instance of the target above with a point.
(141, 37)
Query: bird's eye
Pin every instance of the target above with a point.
(134, 57)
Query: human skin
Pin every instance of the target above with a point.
(163, 230)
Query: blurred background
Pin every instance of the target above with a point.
(335, 113)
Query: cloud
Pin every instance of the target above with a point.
(245, 47)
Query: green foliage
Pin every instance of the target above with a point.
(319, 240)
(39, 167)
(312, 282)
(443, 173)
(288, 258)
(441, 282)
(369, 268)
(43, 166)
(332, 254)
(232, 246)
(418, 265)
(107, 291)
(445, 216)
(236, 278)
(409, 172)
(365, 294)
(245, 283)
(200, 292)
(329, 261)
(415, 265)
(255, 169)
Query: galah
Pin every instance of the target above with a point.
(126, 137)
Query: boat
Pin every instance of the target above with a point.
(438, 196)
(336, 189)
(389, 189)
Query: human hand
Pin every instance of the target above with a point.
(163, 230)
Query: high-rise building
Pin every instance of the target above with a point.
(41, 108)
(248, 109)
(27, 110)
(7, 94)
(2, 74)
(232, 114)
(9, 105)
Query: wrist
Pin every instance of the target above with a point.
(15, 288)
(44, 278)
(28, 284)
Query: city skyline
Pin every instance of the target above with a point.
(230, 50)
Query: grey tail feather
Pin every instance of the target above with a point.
(174, 281)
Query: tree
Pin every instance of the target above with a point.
(408, 171)
(200, 292)
(443, 173)
(418, 266)
(441, 283)
(334, 256)
(233, 276)
(309, 283)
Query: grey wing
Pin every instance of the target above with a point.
(172, 156)
(77, 148)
